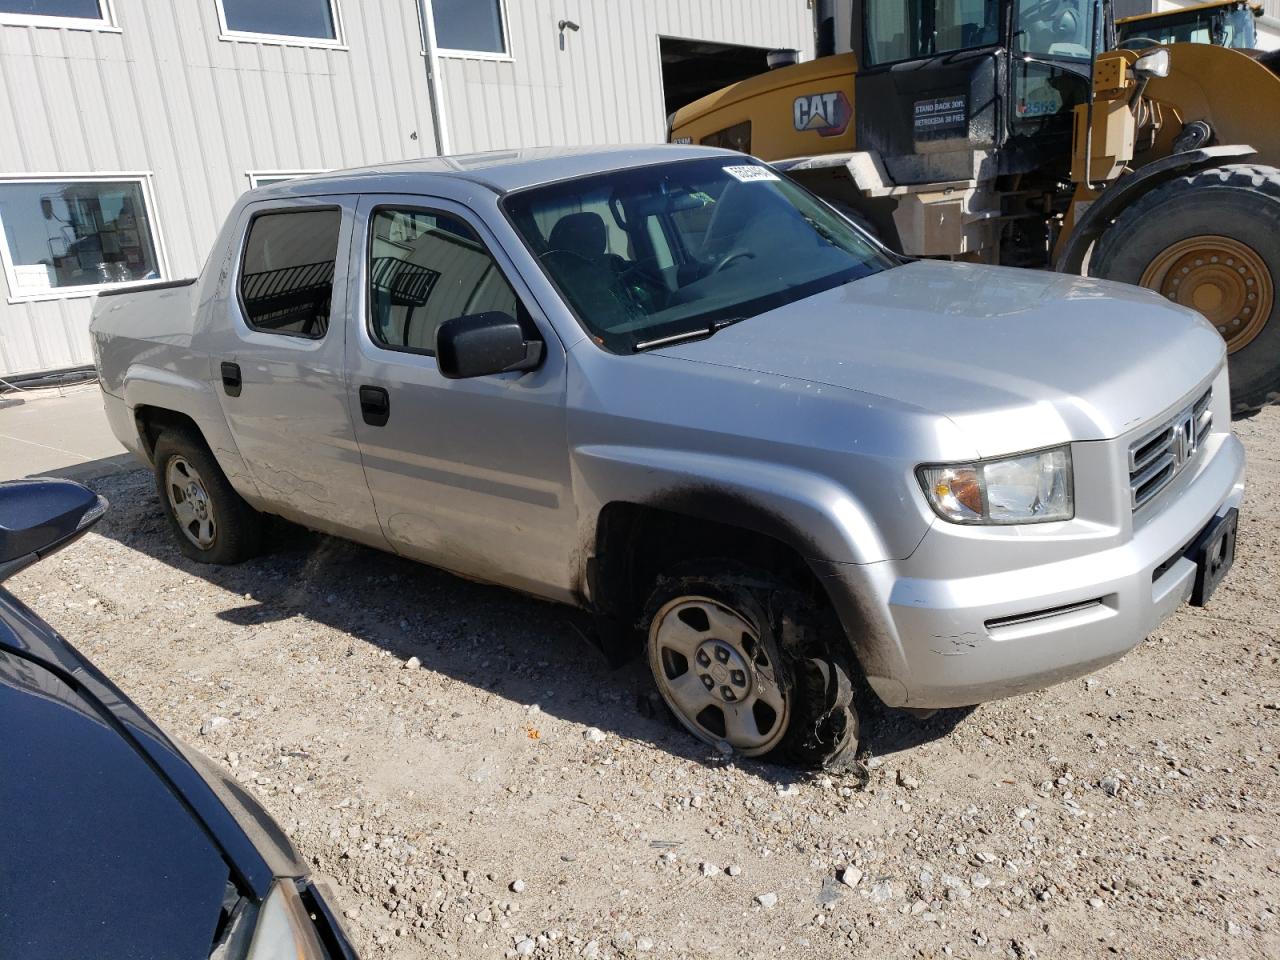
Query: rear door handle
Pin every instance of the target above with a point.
(375, 405)
(232, 382)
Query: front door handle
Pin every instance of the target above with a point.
(375, 406)
(232, 382)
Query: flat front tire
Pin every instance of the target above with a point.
(750, 665)
(211, 522)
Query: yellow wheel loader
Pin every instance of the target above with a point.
(1013, 132)
(1226, 23)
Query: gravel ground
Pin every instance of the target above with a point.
(474, 781)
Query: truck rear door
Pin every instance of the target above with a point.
(280, 357)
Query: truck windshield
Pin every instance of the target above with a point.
(912, 29)
(681, 249)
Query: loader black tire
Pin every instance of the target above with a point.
(1230, 207)
(786, 640)
(235, 528)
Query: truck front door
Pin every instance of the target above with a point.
(279, 362)
(471, 475)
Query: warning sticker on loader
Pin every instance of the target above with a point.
(940, 116)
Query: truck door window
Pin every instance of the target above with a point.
(286, 279)
(426, 268)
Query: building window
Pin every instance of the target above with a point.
(426, 268)
(286, 280)
(264, 178)
(281, 21)
(75, 235)
(88, 14)
(470, 28)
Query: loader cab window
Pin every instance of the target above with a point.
(897, 30)
(1054, 29)
(736, 137)
(1233, 27)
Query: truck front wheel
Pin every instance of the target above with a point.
(211, 521)
(751, 665)
(1211, 241)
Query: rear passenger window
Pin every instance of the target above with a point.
(286, 282)
(424, 269)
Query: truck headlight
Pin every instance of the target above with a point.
(1029, 488)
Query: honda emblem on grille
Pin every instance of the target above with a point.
(1184, 437)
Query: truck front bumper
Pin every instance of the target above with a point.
(931, 642)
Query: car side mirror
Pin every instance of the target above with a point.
(480, 344)
(40, 516)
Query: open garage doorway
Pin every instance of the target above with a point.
(694, 68)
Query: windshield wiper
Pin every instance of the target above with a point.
(697, 333)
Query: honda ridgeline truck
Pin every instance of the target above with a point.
(670, 387)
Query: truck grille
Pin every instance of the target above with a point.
(1160, 455)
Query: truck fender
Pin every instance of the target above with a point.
(147, 386)
(1128, 188)
(819, 519)
(812, 514)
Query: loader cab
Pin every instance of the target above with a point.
(954, 90)
(1226, 23)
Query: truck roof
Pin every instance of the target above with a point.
(498, 170)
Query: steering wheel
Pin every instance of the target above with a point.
(729, 258)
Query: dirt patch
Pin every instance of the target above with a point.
(506, 793)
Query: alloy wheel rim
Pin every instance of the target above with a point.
(715, 675)
(1222, 278)
(189, 498)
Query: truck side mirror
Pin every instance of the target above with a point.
(480, 344)
(40, 516)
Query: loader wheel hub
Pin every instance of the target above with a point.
(1220, 277)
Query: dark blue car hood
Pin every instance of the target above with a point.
(98, 855)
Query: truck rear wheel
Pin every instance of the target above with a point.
(211, 522)
(751, 665)
(1211, 241)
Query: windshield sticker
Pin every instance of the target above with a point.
(748, 172)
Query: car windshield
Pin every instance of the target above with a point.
(681, 249)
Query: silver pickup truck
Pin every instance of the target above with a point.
(669, 387)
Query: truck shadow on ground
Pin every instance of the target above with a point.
(526, 650)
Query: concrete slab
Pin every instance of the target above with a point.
(60, 432)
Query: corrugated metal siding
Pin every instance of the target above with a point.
(605, 86)
(166, 95)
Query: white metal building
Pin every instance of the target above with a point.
(130, 126)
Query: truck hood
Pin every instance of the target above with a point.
(1018, 359)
